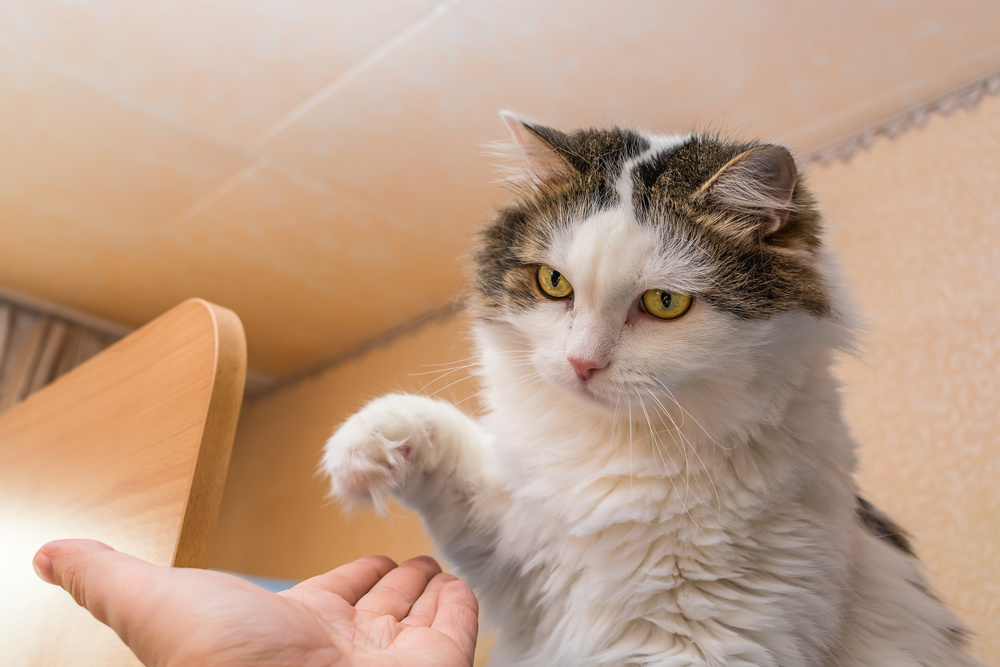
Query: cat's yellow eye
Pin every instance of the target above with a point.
(665, 305)
(552, 283)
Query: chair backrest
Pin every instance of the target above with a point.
(130, 448)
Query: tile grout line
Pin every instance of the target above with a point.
(214, 195)
(129, 257)
(330, 190)
(350, 74)
(124, 99)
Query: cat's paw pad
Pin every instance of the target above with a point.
(374, 452)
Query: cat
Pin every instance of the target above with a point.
(663, 475)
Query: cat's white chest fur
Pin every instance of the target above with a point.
(628, 556)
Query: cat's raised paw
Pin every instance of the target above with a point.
(375, 451)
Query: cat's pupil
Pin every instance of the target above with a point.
(555, 277)
(665, 298)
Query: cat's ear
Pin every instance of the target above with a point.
(539, 144)
(757, 185)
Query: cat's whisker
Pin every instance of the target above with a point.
(449, 385)
(444, 372)
(507, 381)
(629, 404)
(534, 378)
(682, 444)
(684, 410)
(654, 443)
(693, 448)
(456, 365)
(714, 360)
(526, 381)
(611, 442)
(453, 361)
(670, 477)
(539, 380)
(469, 398)
(422, 390)
(513, 363)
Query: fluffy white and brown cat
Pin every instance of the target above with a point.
(663, 475)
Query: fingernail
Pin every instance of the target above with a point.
(43, 567)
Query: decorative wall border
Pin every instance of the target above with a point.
(967, 97)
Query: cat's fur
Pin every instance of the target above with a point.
(691, 502)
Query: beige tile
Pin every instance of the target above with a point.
(226, 67)
(802, 72)
(83, 177)
(409, 135)
(310, 272)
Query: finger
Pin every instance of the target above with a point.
(458, 616)
(97, 576)
(354, 580)
(399, 589)
(424, 610)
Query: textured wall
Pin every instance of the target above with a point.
(916, 221)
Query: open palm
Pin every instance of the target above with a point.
(369, 612)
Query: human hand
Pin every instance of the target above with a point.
(368, 613)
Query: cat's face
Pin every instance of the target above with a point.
(635, 265)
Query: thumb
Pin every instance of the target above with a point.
(97, 576)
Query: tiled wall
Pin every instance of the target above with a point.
(916, 221)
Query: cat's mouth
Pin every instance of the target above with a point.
(596, 390)
(614, 394)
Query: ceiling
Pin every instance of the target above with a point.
(319, 166)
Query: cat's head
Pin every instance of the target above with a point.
(634, 266)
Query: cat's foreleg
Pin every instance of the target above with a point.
(425, 452)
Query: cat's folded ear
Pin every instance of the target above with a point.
(757, 187)
(543, 148)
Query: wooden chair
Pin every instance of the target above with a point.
(130, 448)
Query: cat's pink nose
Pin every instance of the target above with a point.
(584, 366)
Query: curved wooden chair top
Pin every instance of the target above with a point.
(130, 448)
